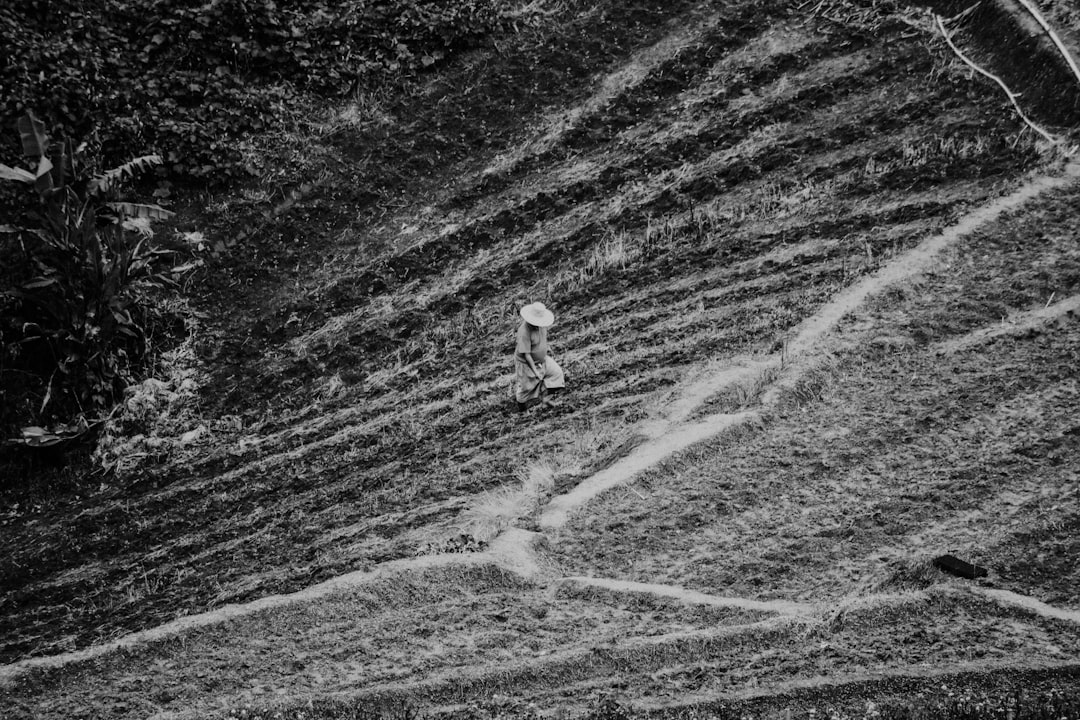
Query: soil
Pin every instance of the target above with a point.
(687, 185)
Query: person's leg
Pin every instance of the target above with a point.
(527, 388)
(545, 391)
(554, 380)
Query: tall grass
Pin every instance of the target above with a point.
(501, 508)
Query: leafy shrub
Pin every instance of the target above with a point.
(76, 305)
(461, 543)
(156, 417)
(187, 78)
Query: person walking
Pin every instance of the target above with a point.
(535, 368)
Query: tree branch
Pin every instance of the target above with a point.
(1012, 96)
(1053, 35)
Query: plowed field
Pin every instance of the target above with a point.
(726, 205)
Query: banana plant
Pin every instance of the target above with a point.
(61, 171)
(93, 268)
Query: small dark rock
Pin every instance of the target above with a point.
(956, 566)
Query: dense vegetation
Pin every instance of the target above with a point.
(188, 78)
(185, 82)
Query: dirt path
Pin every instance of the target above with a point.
(1029, 603)
(645, 456)
(1012, 325)
(690, 597)
(10, 673)
(920, 259)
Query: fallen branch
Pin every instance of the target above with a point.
(1012, 96)
(1053, 35)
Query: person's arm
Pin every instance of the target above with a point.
(524, 350)
(531, 363)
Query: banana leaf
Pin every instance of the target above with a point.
(139, 210)
(10, 173)
(34, 140)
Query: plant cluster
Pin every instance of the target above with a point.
(189, 78)
(79, 278)
(461, 543)
(185, 80)
(159, 416)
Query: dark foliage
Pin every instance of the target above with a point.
(186, 81)
(187, 78)
(76, 295)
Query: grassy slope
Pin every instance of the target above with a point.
(897, 450)
(720, 189)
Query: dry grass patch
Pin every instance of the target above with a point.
(501, 508)
(740, 396)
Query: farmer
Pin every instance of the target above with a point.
(536, 371)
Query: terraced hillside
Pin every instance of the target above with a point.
(816, 289)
